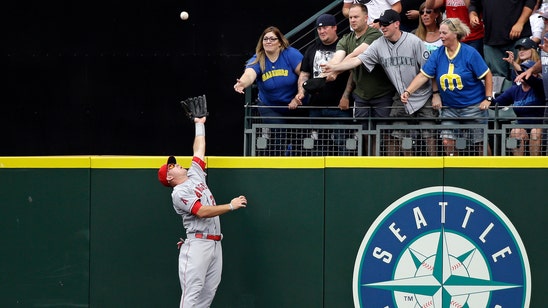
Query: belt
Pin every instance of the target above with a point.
(205, 236)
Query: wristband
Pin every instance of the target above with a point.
(408, 93)
(436, 92)
(231, 207)
(200, 129)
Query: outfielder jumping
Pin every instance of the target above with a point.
(200, 255)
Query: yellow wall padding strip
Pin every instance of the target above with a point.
(45, 162)
(154, 162)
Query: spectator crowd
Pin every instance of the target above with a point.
(407, 62)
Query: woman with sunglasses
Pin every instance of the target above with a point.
(459, 9)
(429, 27)
(458, 70)
(278, 66)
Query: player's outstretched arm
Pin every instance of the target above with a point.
(199, 141)
(207, 211)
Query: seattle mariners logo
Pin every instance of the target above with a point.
(442, 247)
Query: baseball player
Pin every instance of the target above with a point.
(200, 255)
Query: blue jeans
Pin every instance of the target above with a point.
(473, 112)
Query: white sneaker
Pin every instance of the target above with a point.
(314, 135)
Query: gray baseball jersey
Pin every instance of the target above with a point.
(401, 61)
(185, 196)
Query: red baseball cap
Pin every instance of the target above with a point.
(162, 172)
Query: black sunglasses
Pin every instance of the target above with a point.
(385, 24)
(426, 12)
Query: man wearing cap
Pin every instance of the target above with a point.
(401, 55)
(200, 255)
(324, 94)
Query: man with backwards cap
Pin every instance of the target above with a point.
(200, 255)
(401, 55)
(324, 94)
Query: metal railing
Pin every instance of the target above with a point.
(351, 136)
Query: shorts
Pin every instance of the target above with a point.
(477, 117)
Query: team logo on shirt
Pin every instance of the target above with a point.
(426, 54)
(442, 247)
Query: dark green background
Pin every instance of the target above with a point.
(106, 237)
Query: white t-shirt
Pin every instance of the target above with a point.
(375, 7)
(537, 26)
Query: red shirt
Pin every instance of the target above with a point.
(458, 9)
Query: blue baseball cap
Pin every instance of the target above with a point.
(525, 65)
(326, 20)
(389, 16)
(526, 43)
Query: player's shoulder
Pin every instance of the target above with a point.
(181, 189)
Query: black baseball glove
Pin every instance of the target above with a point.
(314, 85)
(195, 107)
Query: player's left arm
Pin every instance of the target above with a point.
(208, 211)
(199, 140)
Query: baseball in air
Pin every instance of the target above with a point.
(184, 15)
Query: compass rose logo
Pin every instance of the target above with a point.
(442, 247)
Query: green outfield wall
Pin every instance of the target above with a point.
(101, 231)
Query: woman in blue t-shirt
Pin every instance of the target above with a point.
(458, 70)
(275, 67)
